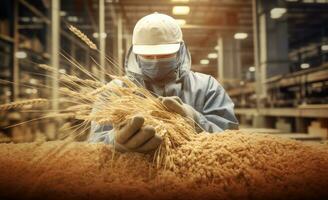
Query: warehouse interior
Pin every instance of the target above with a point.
(270, 56)
(75, 123)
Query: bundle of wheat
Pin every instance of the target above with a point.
(125, 102)
(119, 103)
(229, 165)
(114, 103)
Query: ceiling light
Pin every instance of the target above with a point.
(212, 55)
(276, 13)
(180, 1)
(34, 91)
(62, 71)
(251, 69)
(181, 10)
(240, 36)
(28, 91)
(25, 19)
(31, 91)
(308, 1)
(305, 65)
(20, 54)
(95, 35)
(103, 35)
(33, 81)
(63, 13)
(181, 22)
(8, 93)
(72, 19)
(36, 20)
(204, 61)
(324, 47)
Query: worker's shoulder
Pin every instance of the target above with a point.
(203, 78)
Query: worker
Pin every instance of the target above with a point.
(160, 61)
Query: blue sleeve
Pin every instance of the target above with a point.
(101, 133)
(217, 113)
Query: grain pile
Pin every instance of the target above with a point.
(229, 165)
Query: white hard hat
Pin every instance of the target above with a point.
(156, 34)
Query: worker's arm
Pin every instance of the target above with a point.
(102, 133)
(217, 113)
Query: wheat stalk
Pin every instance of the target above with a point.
(77, 96)
(46, 67)
(86, 82)
(82, 36)
(79, 107)
(61, 115)
(21, 104)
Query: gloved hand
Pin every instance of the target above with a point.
(176, 105)
(131, 135)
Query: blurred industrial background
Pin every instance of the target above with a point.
(270, 56)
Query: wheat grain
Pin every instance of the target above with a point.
(61, 115)
(228, 165)
(85, 82)
(98, 90)
(82, 36)
(21, 104)
(47, 67)
(79, 107)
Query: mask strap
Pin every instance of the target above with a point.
(180, 56)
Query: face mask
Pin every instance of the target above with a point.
(158, 69)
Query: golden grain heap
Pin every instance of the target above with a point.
(229, 165)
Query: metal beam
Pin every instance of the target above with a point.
(102, 39)
(213, 27)
(35, 11)
(120, 45)
(256, 55)
(55, 49)
(219, 28)
(191, 3)
(15, 71)
(124, 15)
(320, 112)
(87, 7)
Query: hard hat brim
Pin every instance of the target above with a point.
(160, 49)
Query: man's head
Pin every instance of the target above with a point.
(156, 34)
(156, 41)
